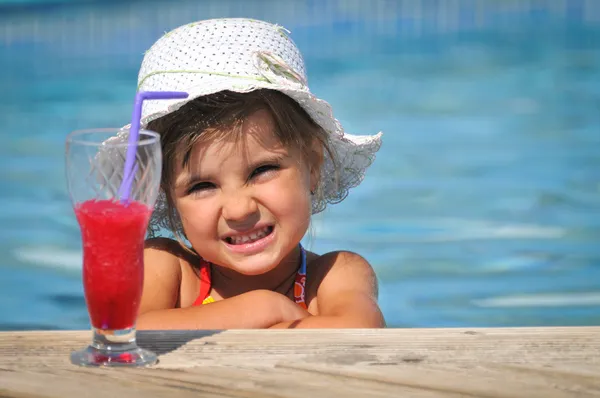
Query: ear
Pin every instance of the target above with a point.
(316, 159)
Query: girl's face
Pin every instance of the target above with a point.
(245, 205)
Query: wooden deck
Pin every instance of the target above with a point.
(519, 362)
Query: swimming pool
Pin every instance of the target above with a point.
(482, 209)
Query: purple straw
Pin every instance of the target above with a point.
(129, 171)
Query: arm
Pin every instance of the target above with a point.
(346, 294)
(160, 300)
(252, 310)
(162, 275)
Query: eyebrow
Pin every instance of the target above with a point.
(197, 177)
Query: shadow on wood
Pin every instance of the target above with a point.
(165, 341)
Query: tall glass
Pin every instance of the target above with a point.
(113, 225)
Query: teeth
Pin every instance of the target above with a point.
(238, 240)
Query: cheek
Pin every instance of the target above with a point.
(196, 217)
(289, 196)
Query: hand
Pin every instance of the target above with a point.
(288, 310)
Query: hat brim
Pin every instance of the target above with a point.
(353, 154)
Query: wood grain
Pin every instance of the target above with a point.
(511, 362)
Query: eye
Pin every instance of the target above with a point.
(201, 187)
(264, 170)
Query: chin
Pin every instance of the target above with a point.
(254, 265)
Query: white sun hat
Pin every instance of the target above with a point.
(242, 55)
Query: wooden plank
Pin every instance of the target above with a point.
(204, 381)
(180, 349)
(513, 362)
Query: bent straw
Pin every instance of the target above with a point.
(129, 171)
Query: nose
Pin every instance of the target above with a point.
(239, 206)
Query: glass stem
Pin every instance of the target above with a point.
(114, 340)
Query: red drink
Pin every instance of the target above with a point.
(113, 267)
(113, 232)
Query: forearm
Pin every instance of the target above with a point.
(333, 322)
(247, 311)
(349, 312)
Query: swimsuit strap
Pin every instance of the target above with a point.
(205, 284)
(300, 283)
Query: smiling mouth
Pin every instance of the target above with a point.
(251, 237)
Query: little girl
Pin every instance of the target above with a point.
(247, 158)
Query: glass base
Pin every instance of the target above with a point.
(113, 348)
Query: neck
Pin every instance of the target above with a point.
(229, 283)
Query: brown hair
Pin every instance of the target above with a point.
(217, 116)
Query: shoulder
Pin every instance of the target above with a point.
(338, 259)
(162, 274)
(162, 256)
(165, 245)
(345, 290)
(173, 268)
(341, 269)
(165, 255)
(168, 250)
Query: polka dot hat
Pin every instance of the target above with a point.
(242, 55)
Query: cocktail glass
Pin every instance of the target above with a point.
(113, 205)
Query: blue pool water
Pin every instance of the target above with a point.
(482, 209)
